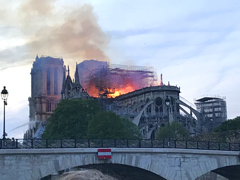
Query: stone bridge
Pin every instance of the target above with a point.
(167, 163)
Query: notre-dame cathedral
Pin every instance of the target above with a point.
(142, 101)
(50, 83)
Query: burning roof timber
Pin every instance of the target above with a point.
(101, 79)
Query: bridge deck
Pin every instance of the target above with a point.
(116, 143)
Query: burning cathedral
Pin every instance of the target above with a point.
(129, 91)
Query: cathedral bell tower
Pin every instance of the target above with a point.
(46, 84)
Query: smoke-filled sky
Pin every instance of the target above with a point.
(195, 44)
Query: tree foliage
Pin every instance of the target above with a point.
(131, 131)
(228, 131)
(106, 125)
(74, 118)
(70, 119)
(231, 124)
(174, 131)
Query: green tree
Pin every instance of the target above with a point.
(108, 125)
(175, 131)
(70, 119)
(131, 130)
(231, 124)
(74, 118)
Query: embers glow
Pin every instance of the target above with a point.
(102, 81)
(117, 92)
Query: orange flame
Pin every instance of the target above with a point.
(118, 92)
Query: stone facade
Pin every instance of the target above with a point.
(171, 164)
(73, 89)
(146, 107)
(46, 85)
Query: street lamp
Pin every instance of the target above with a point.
(167, 102)
(4, 95)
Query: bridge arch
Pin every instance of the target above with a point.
(160, 164)
(119, 171)
(229, 172)
(168, 163)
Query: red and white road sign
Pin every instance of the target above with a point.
(104, 154)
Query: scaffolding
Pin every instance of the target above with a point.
(108, 78)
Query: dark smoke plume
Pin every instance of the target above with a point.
(113, 81)
(52, 30)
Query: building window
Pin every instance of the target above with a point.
(208, 110)
(217, 114)
(158, 101)
(158, 109)
(217, 109)
(209, 115)
(49, 106)
(149, 109)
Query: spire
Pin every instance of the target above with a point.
(76, 76)
(161, 81)
(64, 79)
(37, 57)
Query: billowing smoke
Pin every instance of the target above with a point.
(100, 79)
(51, 28)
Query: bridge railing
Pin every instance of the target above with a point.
(115, 143)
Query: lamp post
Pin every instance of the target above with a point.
(4, 95)
(167, 102)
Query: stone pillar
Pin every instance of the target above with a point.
(38, 104)
(33, 85)
(153, 112)
(38, 109)
(52, 81)
(44, 82)
(171, 117)
(59, 79)
(44, 105)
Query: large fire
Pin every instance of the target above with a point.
(118, 92)
(106, 82)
